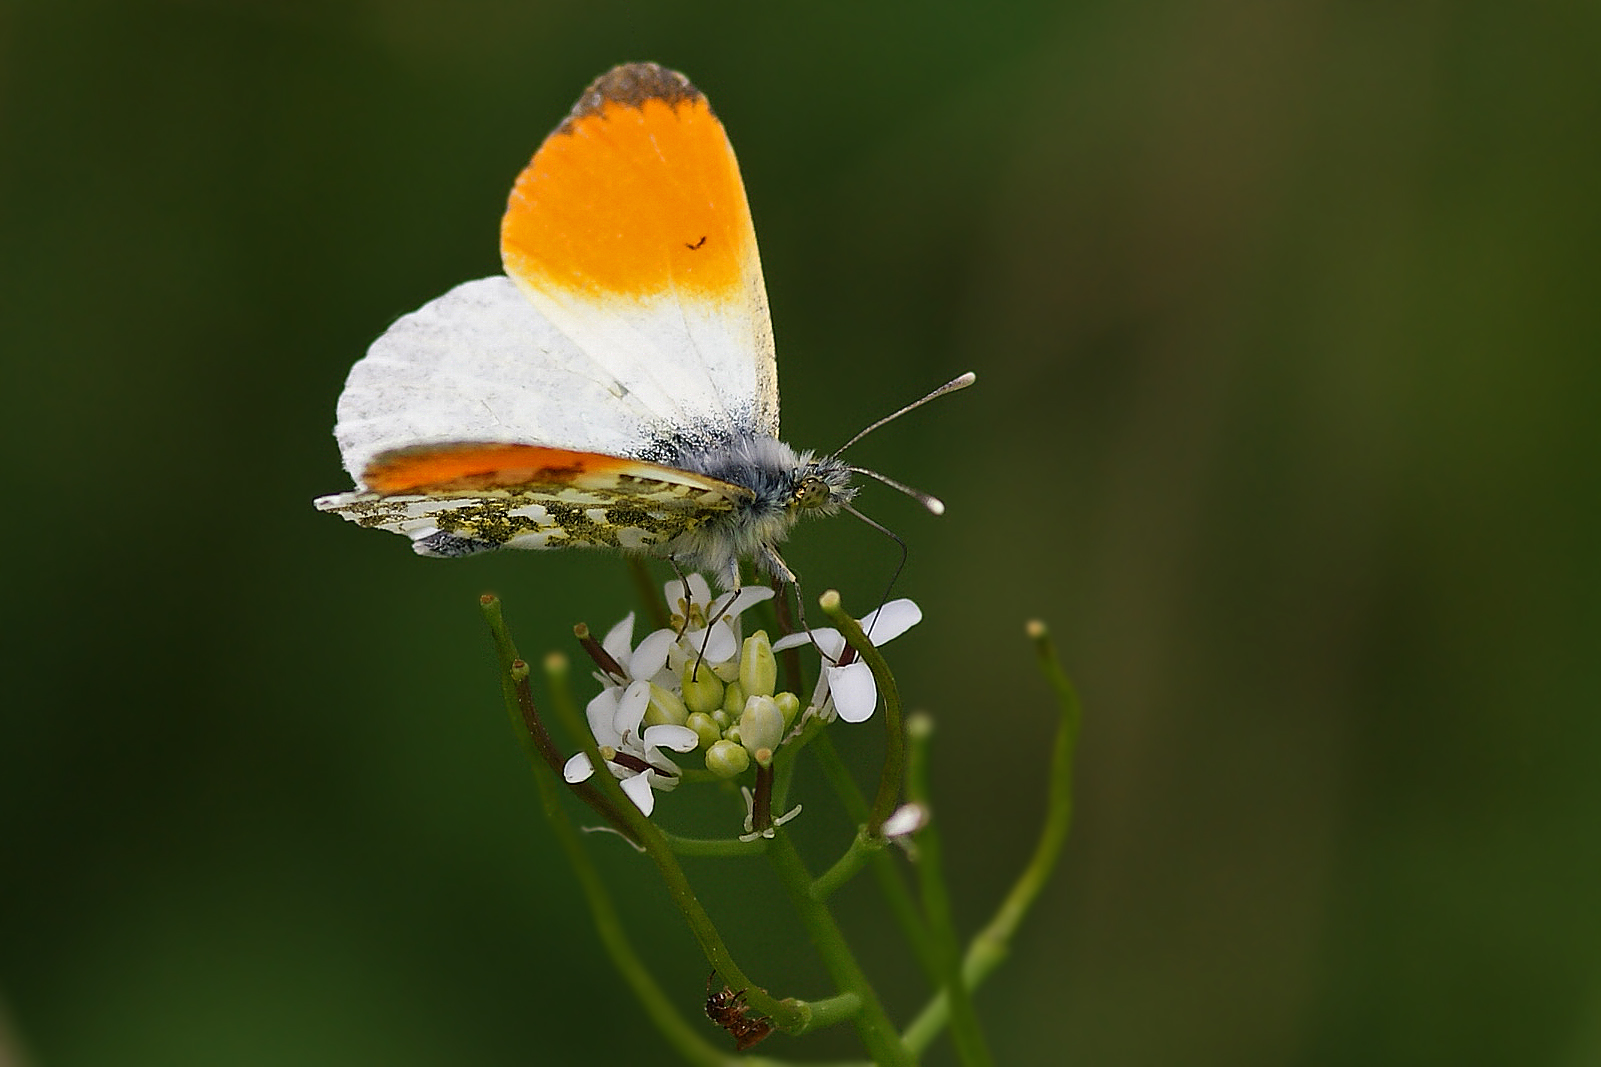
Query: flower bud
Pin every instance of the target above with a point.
(722, 719)
(758, 667)
(790, 705)
(705, 728)
(726, 759)
(733, 700)
(665, 707)
(703, 690)
(761, 725)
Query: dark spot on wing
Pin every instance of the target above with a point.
(447, 545)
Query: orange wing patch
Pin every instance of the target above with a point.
(455, 468)
(635, 194)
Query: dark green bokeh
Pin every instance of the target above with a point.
(1286, 322)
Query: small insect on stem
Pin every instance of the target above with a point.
(728, 1009)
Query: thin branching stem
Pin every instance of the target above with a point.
(872, 1022)
(891, 883)
(990, 947)
(788, 1014)
(650, 594)
(862, 849)
(714, 846)
(966, 1034)
(889, 781)
(685, 1039)
(526, 723)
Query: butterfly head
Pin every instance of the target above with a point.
(822, 486)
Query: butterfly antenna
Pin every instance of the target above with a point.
(949, 387)
(893, 536)
(934, 504)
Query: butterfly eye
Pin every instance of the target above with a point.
(812, 492)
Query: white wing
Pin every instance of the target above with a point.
(481, 364)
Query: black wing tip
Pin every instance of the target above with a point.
(631, 85)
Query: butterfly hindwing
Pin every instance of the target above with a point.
(464, 498)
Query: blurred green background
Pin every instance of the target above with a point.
(1286, 323)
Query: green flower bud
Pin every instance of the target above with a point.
(705, 728)
(722, 719)
(703, 690)
(726, 759)
(758, 667)
(790, 705)
(761, 727)
(733, 700)
(728, 670)
(665, 707)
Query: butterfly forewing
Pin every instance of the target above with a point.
(629, 230)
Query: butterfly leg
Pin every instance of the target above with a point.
(683, 583)
(769, 558)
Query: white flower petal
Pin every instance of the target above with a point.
(650, 655)
(638, 789)
(719, 644)
(830, 640)
(730, 605)
(885, 624)
(699, 589)
(619, 639)
(673, 592)
(670, 735)
(630, 709)
(906, 819)
(578, 768)
(820, 690)
(855, 694)
(602, 715)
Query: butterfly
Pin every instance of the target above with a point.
(617, 386)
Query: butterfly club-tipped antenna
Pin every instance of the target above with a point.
(932, 503)
(955, 384)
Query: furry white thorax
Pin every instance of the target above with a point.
(774, 472)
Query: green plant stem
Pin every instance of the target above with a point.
(784, 616)
(685, 1039)
(608, 924)
(650, 594)
(889, 781)
(789, 1015)
(966, 1034)
(831, 1011)
(862, 848)
(990, 947)
(897, 897)
(526, 724)
(713, 846)
(872, 1022)
(784, 762)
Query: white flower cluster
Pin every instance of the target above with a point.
(697, 683)
(700, 684)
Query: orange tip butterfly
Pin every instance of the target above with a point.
(617, 386)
